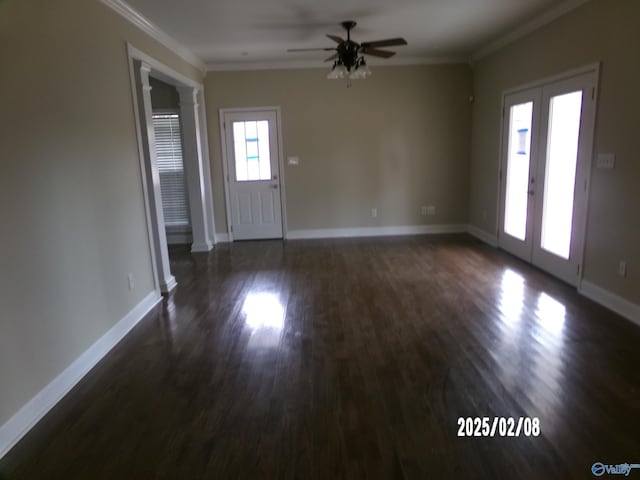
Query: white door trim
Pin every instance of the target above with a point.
(589, 68)
(163, 280)
(225, 165)
(588, 168)
(194, 166)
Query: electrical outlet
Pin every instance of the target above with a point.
(130, 281)
(423, 211)
(606, 160)
(431, 210)
(374, 212)
(622, 268)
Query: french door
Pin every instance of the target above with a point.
(253, 174)
(547, 139)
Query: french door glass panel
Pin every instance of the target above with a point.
(517, 174)
(560, 173)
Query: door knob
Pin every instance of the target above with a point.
(275, 187)
(531, 193)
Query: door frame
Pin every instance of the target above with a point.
(141, 66)
(225, 163)
(589, 68)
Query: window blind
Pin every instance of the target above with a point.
(171, 169)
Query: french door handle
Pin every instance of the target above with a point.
(531, 193)
(275, 187)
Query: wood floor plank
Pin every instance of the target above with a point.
(350, 358)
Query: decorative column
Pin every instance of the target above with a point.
(152, 178)
(206, 166)
(194, 171)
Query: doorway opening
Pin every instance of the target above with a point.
(195, 155)
(167, 127)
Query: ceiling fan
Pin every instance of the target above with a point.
(348, 60)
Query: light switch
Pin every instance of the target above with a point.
(605, 160)
(293, 160)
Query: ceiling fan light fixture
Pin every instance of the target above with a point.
(333, 75)
(357, 75)
(361, 70)
(338, 71)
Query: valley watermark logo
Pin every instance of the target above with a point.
(599, 469)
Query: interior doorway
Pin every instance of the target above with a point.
(195, 155)
(167, 125)
(547, 143)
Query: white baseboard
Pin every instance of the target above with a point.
(201, 247)
(374, 231)
(168, 284)
(36, 408)
(483, 236)
(222, 238)
(610, 300)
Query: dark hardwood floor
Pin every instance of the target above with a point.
(351, 359)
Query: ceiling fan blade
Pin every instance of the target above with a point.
(389, 42)
(377, 53)
(328, 49)
(335, 38)
(332, 57)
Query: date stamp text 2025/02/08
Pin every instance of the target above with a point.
(527, 427)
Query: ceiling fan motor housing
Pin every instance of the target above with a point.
(348, 53)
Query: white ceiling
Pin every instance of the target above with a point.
(228, 33)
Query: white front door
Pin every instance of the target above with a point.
(547, 142)
(255, 203)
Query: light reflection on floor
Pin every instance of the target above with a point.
(510, 305)
(548, 365)
(545, 329)
(264, 315)
(511, 297)
(550, 314)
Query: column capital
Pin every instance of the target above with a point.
(144, 70)
(188, 96)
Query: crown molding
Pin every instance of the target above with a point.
(532, 25)
(318, 64)
(140, 21)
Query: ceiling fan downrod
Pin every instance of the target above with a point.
(348, 25)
